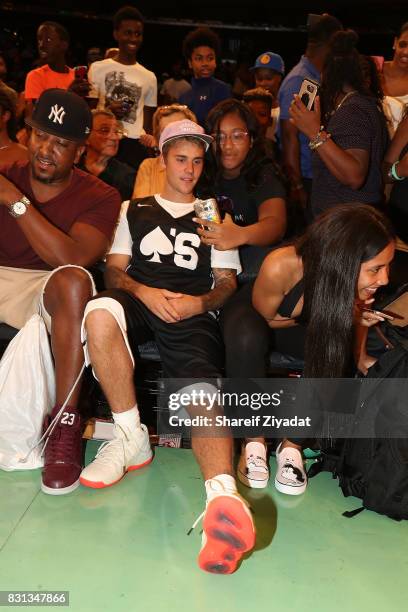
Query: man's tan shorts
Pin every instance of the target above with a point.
(22, 294)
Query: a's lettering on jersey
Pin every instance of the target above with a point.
(156, 243)
(186, 256)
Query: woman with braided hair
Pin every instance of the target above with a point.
(347, 131)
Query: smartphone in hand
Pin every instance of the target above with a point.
(308, 92)
(380, 313)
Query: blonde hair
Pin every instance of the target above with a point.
(166, 111)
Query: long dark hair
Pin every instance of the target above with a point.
(332, 251)
(255, 160)
(343, 67)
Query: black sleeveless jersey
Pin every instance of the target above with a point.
(167, 253)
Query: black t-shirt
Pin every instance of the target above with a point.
(121, 176)
(118, 175)
(246, 202)
(357, 124)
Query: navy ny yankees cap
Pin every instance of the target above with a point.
(62, 113)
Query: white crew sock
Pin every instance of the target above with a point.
(130, 419)
(221, 482)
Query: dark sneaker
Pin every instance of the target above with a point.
(62, 453)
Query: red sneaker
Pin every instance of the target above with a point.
(228, 530)
(62, 453)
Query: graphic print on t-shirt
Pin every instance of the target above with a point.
(119, 89)
(167, 252)
(156, 243)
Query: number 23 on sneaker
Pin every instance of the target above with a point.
(253, 470)
(62, 451)
(228, 528)
(290, 472)
(129, 450)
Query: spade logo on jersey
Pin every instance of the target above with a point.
(156, 243)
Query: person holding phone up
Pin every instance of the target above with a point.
(296, 156)
(346, 129)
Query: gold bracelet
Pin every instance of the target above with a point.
(319, 140)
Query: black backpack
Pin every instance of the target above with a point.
(375, 470)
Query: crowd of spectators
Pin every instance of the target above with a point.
(296, 178)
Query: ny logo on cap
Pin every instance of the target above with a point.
(57, 114)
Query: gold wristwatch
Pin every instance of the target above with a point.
(19, 208)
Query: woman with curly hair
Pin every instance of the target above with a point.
(240, 171)
(347, 131)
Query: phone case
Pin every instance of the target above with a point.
(308, 91)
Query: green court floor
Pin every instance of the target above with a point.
(125, 548)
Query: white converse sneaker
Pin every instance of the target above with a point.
(127, 451)
(228, 529)
(290, 473)
(253, 470)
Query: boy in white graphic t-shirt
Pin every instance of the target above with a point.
(126, 87)
(165, 284)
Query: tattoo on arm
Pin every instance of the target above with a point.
(115, 278)
(225, 285)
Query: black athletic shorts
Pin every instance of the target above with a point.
(188, 349)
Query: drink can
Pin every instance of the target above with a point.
(208, 210)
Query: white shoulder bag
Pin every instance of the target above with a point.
(27, 393)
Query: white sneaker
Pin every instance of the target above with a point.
(228, 529)
(290, 473)
(126, 452)
(253, 470)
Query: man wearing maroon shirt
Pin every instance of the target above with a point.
(56, 221)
